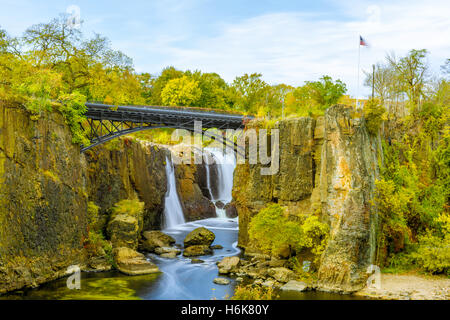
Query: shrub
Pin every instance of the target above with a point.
(272, 232)
(250, 292)
(373, 113)
(92, 215)
(96, 245)
(132, 207)
(433, 253)
(73, 109)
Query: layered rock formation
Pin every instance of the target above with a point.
(42, 201)
(128, 169)
(327, 167)
(45, 186)
(195, 204)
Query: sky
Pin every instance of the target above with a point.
(286, 41)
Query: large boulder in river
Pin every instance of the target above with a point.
(228, 264)
(132, 263)
(155, 239)
(197, 250)
(199, 236)
(230, 210)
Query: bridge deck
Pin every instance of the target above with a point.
(165, 115)
(107, 122)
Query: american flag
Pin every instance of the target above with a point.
(362, 42)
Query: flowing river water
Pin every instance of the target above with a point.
(180, 278)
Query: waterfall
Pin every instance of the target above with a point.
(173, 212)
(226, 162)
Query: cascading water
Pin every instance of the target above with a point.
(226, 163)
(173, 213)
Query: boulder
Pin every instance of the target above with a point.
(155, 239)
(123, 231)
(228, 264)
(274, 262)
(268, 283)
(281, 274)
(194, 260)
(197, 250)
(99, 264)
(132, 263)
(230, 210)
(221, 281)
(294, 285)
(219, 204)
(169, 255)
(217, 246)
(199, 236)
(167, 250)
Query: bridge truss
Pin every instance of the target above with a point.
(108, 122)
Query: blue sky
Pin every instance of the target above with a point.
(287, 41)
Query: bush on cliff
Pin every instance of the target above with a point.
(373, 113)
(272, 232)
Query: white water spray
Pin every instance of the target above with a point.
(226, 163)
(173, 212)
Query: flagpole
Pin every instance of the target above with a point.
(357, 86)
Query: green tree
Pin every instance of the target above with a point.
(181, 92)
(249, 92)
(325, 92)
(159, 83)
(412, 73)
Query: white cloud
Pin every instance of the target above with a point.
(293, 47)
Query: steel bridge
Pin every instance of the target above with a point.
(107, 122)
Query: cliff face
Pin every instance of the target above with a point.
(194, 203)
(46, 183)
(292, 186)
(42, 201)
(328, 167)
(128, 169)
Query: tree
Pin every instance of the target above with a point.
(249, 92)
(412, 73)
(213, 89)
(161, 81)
(325, 92)
(181, 92)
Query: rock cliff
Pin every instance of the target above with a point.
(327, 167)
(128, 169)
(42, 200)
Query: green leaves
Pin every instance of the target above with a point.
(181, 92)
(273, 232)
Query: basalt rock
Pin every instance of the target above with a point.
(154, 239)
(327, 167)
(195, 204)
(128, 168)
(43, 203)
(228, 265)
(347, 182)
(230, 210)
(197, 250)
(199, 236)
(132, 262)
